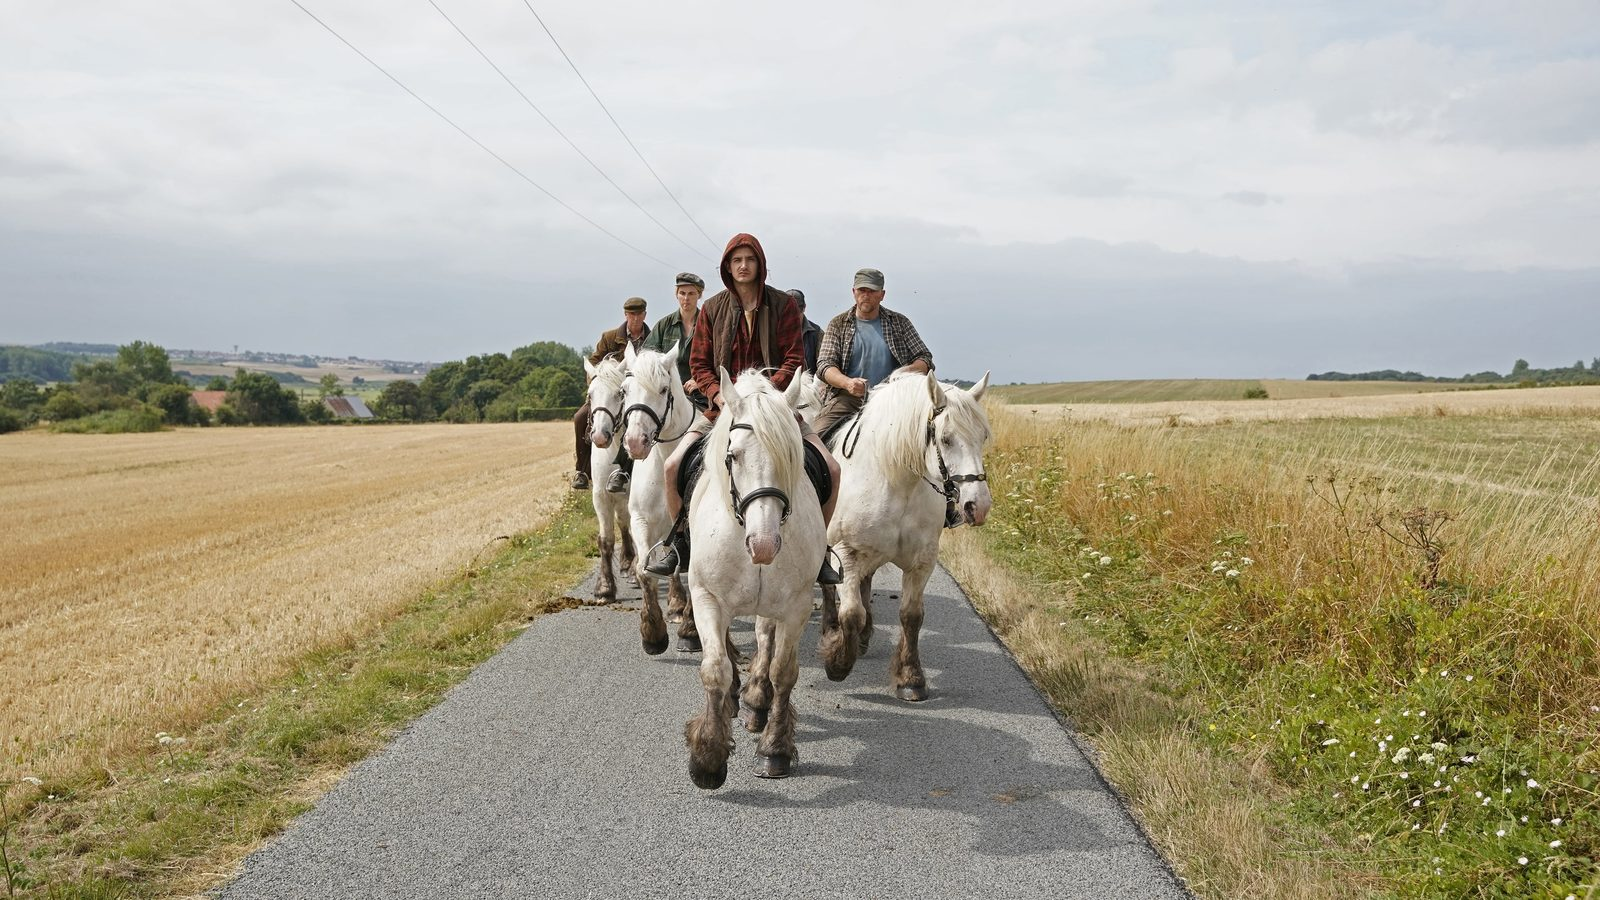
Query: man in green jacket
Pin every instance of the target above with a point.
(677, 327)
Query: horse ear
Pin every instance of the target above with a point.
(792, 392)
(935, 392)
(589, 369)
(730, 396)
(978, 389)
(629, 356)
(674, 351)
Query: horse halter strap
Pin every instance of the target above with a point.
(596, 410)
(660, 421)
(950, 491)
(742, 504)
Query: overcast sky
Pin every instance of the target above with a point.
(1055, 190)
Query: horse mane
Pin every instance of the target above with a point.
(654, 370)
(894, 421)
(610, 373)
(965, 414)
(772, 422)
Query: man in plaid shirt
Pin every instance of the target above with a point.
(861, 348)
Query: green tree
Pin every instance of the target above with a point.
(177, 405)
(217, 383)
(63, 405)
(258, 399)
(22, 397)
(1519, 368)
(329, 386)
(147, 363)
(548, 353)
(482, 393)
(401, 400)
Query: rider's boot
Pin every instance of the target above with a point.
(828, 574)
(670, 556)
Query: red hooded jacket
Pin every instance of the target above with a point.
(721, 338)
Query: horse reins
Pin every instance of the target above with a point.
(742, 504)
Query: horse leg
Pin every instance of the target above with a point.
(866, 605)
(652, 627)
(688, 633)
(677, 599)
(841, 645)
(709, 735)
(776, 752)
(757, 693)
(605, 587)
(905, 668)
(629, 555)
(830, 607)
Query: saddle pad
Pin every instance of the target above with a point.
(695, 459)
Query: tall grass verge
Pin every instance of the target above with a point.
(1417, 669)
(175, 818)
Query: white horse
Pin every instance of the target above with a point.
(911, 466)
(756, 527)
(605, 407)
(656, 414)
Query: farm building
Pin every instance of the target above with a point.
(348, 407)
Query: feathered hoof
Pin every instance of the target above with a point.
(688, 643)
(709, 779)
(655, 647)
(912, 693)
(754, 720)
(772, 766)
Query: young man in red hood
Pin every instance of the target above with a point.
(747, 326)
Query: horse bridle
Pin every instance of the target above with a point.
(951, 490)
(659, 420)
(596, 410)
(742, 504)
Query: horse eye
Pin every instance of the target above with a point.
(664, 392)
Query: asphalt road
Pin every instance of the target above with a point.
(558, 770)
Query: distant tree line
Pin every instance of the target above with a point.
(136, 389)
(1521, 373)
(543, 376)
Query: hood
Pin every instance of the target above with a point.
(745, 240)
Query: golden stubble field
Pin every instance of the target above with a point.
(144, 577)
(1553, 401)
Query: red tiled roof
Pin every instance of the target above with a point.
(210, 400)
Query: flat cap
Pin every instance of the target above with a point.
(798, 295)
(633, 304)
(690, 278)
(869, 278)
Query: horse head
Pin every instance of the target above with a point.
(651, 395)
(961, 433)
(605, 399)
(763, 459)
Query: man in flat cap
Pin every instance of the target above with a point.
(611, 345)
(677, 327)
(810, 332)
(861, 348)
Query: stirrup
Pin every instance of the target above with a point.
(828, 574)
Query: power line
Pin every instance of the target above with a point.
(575, 148)
(564, 205)
(618, 125)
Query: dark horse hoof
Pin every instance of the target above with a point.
(772, 766)
(912, 693)
(655, 648)
(755, 720)
(709, 780)
(688, 643)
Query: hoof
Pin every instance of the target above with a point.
(688, 643)
(912, 693)
(709, 780)
(755, 720)
(772, 766)
(655, 648)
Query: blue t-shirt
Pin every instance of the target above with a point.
(869, 353)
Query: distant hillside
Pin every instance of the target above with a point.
(33, 364)
(1206, 389)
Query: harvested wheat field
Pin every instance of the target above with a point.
(144, 577)
(1580, 400)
